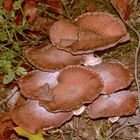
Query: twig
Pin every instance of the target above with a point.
(135, 73)
(135, 3)
(136, 60)
(13, 92)
(136, 54)
(122, 127)
(49, 14)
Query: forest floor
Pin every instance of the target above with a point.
(80, 127)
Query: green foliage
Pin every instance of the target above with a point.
(17, 4)
(12, 38)
(9, 77)
(3, 35)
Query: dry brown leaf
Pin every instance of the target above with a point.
(123, 7)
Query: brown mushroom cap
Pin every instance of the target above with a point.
(97, 31)
(115, 76)
(102, 23)
(121, 103)
(63, 32)
(36, 84)
(50, 59)
(33, 117)
(77, 86)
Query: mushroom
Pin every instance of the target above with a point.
(33, 117)
(114, 75)
(96, 31)
(57, 96)
(63, 32)
(121, 103)
(36, 84)
(48, 58)
(77, 85)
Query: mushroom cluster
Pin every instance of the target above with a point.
(69, 77)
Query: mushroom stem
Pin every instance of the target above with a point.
(91, 60)
(79, 111)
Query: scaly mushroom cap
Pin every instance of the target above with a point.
(77, 86)
(121, 103)
(36, 84)
(114, 75)
(50, 59)
(97, 31)
(63, 32)
(33, 117)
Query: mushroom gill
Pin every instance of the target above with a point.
(121, 103)
(63, 32)
(37, 84)
(33, 117)
(50, 58)
(114, 75)
(77, 85)
(97, 31)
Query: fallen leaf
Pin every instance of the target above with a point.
(6, 135)
(30, 8)
(24, 133)
(6, 126)
(123, 7)
(55, 6)
(8, 5)
(92, 7)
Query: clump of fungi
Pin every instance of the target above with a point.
(69, 77)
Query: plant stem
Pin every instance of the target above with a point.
(66, 9)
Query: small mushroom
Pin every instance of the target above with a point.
(33, 117)
(50, 59)
(97, 31)
(77, 85)
(114, 75)
(121, 103)
(63, 32)
(37, 84)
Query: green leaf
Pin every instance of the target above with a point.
(20, 70)
(2, 12)
(17, 4)
(24, 133)
(5, 65)
(16, 47)
(9, 77)
(13, 14)
(3, 35)
(9, 54)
